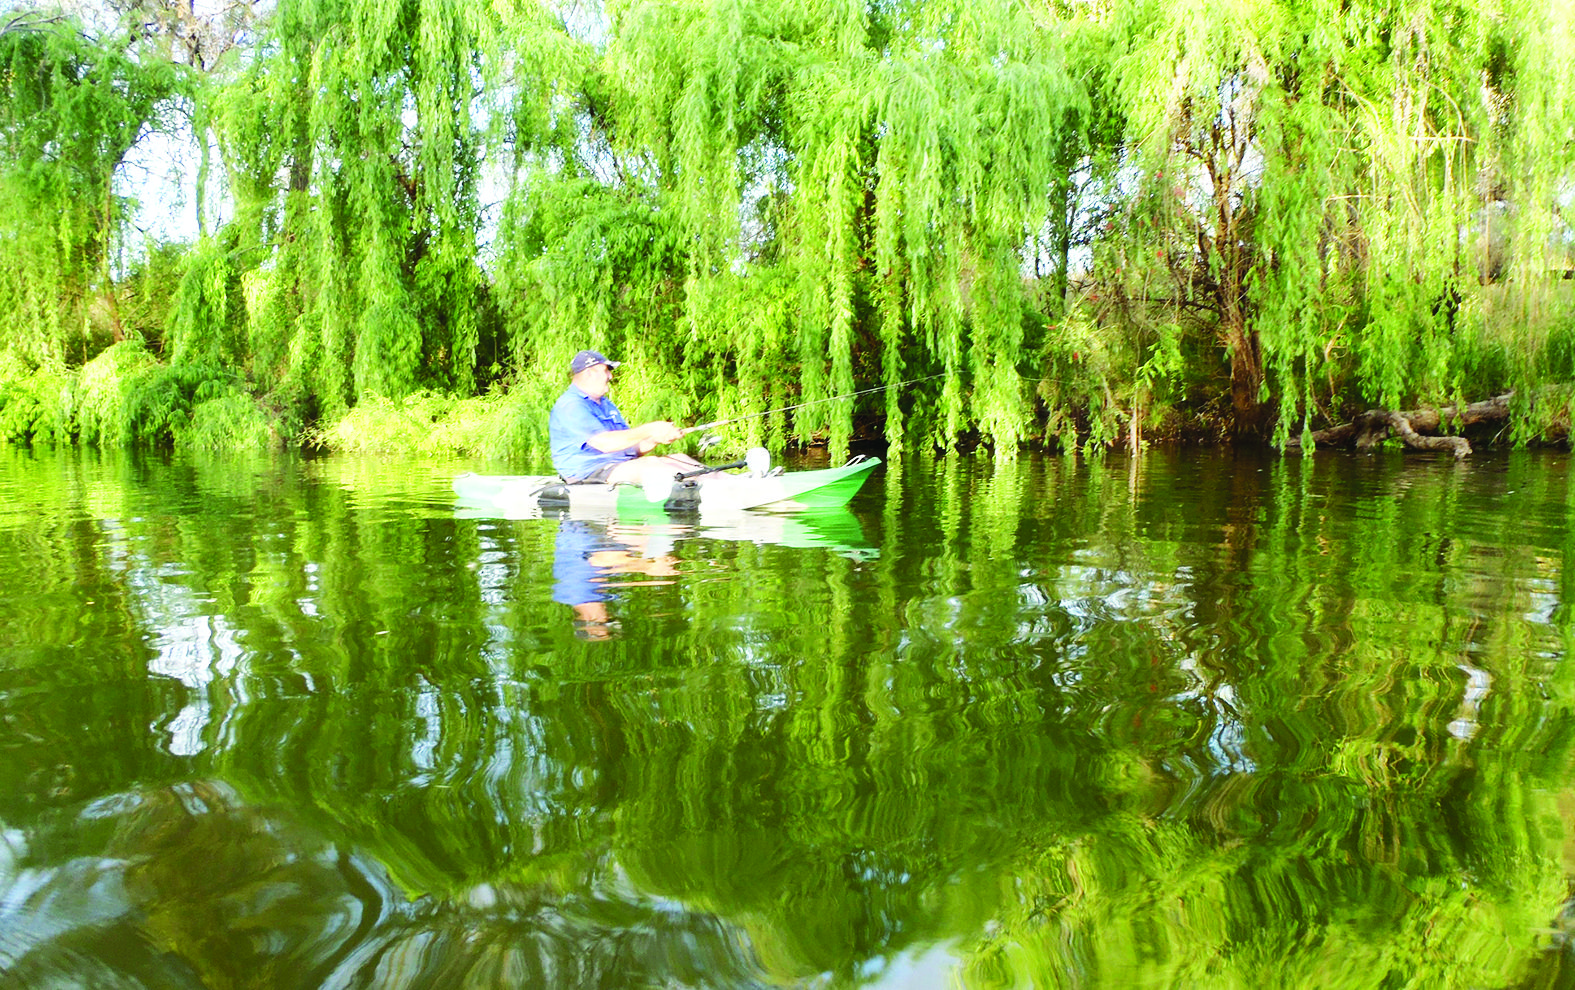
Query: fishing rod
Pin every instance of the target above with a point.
(813, 402)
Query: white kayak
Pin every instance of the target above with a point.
(779, 491)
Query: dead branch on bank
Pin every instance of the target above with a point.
(1376, 425)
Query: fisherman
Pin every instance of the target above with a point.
(592, 442)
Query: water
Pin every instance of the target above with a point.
(1193, 719)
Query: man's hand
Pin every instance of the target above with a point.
(661, 431)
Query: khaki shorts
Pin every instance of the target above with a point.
(596, 477)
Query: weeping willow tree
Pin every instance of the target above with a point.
(353, 144)
(1286, 210)
(1009, 221)
(72, 105)
(833, 195)
(1325, 191)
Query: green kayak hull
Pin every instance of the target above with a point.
(524, 495)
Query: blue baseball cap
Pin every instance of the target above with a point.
(590, 359)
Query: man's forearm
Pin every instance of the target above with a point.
(615, 440)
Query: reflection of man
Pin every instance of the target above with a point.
(591, 441)
(586, 555)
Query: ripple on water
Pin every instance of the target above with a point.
(1171, 720)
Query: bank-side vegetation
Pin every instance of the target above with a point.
(1068, 223)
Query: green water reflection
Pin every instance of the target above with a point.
(1187, 720)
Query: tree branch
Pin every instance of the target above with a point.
(1375, 425)
(30, 21)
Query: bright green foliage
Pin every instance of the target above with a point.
(103, 388)
(207, 311)
(583, 266)
(495, 425)
(145, 293)
(32, 407)
(197, 405)
(125, 397)
(70, 109)
(1329, 188)
(1075, 222)
(356, 151)
(224, 417)
(881, 165)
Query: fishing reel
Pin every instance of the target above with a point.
(757, 460)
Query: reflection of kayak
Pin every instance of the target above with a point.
(526, 495)
(834, 528)
(595, 554)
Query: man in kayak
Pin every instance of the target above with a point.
(592, 442)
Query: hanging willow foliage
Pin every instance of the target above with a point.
(71, 107)
(858, 180)
(1069, 219)
(354, 146)
(1327, 188)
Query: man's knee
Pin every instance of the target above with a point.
(652, 468)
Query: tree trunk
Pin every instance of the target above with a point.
(1246, 380)
(1375, 425)
(1234, 259)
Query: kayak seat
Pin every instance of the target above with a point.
(553, 495)
(685, 496)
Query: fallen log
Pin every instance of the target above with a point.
(1376, 425)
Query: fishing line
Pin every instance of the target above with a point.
(813, 402)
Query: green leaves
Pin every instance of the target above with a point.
(1300, 205)
(71, 107)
